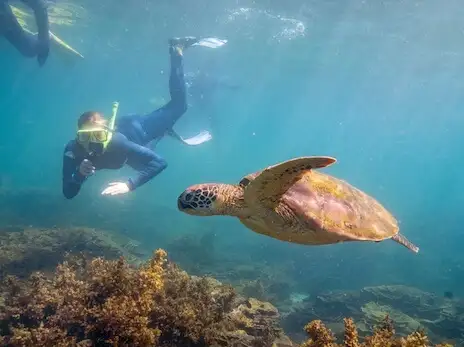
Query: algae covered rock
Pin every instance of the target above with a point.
(254, 317)
(252, 322)
(409, 308)
(374, 314)
(101, 302)
(25, 250)
(260, 319)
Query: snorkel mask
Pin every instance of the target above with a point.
(97, 139)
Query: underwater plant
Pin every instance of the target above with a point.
(98, 302)
(383, 336)
(111, 303)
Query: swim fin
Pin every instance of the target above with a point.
(210, 42)
(63, 48)
(59, 47)
(198, 139)
(202, 137)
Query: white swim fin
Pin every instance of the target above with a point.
(202, 137)
(62, 48)
(210, 42)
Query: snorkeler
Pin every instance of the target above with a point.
(28, 44)
(101, 145)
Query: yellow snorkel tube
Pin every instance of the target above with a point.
(111, 124)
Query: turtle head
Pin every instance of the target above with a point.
(211, 199)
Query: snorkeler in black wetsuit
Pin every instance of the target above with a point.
(28, 44)
(99, 147)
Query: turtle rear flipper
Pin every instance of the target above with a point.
(402, 240)
(267, 188)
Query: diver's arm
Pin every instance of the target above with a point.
(146, 162)
(72, 178)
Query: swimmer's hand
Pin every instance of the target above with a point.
(116, 188)
(86, 168)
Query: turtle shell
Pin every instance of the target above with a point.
(325, 210)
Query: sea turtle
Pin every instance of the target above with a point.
(291, 201)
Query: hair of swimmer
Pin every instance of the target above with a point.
(90, 118)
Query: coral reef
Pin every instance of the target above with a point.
(104, 303)
(25, 250)
(198, 253)
(411, 309)
(383, 336)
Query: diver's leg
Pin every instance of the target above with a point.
(177, 86)
(26, 43)
(158, 122)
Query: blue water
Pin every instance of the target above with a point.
(377, 85)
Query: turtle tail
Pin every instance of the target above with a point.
(402, 240)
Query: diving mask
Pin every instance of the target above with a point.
(97, 135)
(97, 138)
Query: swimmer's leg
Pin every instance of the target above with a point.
(26, 43)
(159, 122)
(177, 86)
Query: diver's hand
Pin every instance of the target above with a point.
(86, 168)
(116, 188)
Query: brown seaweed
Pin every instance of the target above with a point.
(383, 336)
(110, 303)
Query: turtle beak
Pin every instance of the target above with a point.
(181, 204)
(183, 201)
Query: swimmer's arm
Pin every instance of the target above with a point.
(146, 162)
(72, 179)
(41, 17)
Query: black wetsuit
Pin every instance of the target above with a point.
(26, 43)
(128, 144)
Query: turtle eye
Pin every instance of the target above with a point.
(244, 182)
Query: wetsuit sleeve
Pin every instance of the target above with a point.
(145, 161)
(41, 17)
(72, 179)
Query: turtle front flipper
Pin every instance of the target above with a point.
(402, 240)
(267, 188)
